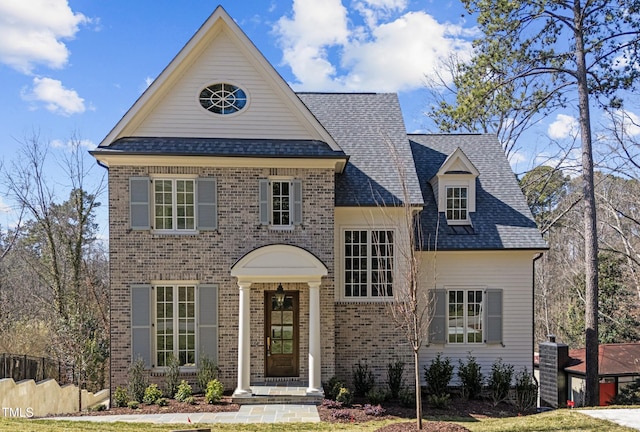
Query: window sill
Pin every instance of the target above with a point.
(282, 227)
(364, 300)
(175, 233)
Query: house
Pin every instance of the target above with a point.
(562, 371)
(264, 228)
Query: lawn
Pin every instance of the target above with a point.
(560, 420)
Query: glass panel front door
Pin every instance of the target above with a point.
(281, 334)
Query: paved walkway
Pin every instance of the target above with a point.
(246, 414)
(621, 416)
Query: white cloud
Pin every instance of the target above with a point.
(390, 52)
(56, 98)
(71, 144)
(4, 208)
(564, 126)
(32, 32)
(629, 121)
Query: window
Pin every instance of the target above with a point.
(280, 202)
(178, 319)
(465, 316)
(223, 98)
(173, 204)
(457, 203)
(368, 263)
(175, 325)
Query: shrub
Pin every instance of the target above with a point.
(395, 378)
(172, 376)
(214, 391)
(344, 397)
(162, 402)
(331, 404)
(376, 396)
(363, 380)
(120, 397)
(407, 398)
(374, 410)
(438, 375)
(184, 391)
(151, 394)
(439, 401)
(628, 395)
(470, 377)
(341, 414)
(332, 387)
(137, 380)
(133, 404)
(207, 372)
(526, 391)
(191, 400)
(500, 381)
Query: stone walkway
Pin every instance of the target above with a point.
(246, 414)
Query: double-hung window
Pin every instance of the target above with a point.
(465, 323)
(174, 204)
(280, 202)
(457, 204)
(368, 263)
(175, 324)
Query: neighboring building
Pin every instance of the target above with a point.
(225, 185)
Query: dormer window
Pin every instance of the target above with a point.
(457, 204)
(454, 186)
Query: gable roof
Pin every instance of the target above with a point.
(217, 27)
(613, 360)
(458, 163)
(502, 219)
(370, 129)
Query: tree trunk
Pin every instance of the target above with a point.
(592, 393)
(418, 390)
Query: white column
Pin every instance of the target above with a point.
(244, 341)
(315, 385)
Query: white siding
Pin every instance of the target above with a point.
(268, 114)
(510, 271)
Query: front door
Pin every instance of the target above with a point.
(281, 334)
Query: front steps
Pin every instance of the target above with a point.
(278, 394)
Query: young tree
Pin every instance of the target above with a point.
(560, 52)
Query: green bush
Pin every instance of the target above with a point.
(214, 391)
(162, 402)
(376, 396)
(172, 376)
(438, 401)
(470, 377)
(151, 394)
(137, 380)
(395, 378)
(526, 391)
(120, 397)
(191, 400)
(438, 376)
(407, 398)
(184, 391)
(628, 395)
(363, 380)
(207, 372)
(344, 397)
(332, 387)
(500, 381)
(133, 404)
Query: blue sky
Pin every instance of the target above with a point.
(73, 67)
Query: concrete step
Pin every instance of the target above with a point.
(278, 399)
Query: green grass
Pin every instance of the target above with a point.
(560, 420)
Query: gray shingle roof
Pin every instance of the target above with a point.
(221, 147)
(502, 219)
(366, 126)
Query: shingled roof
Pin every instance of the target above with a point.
(367, 126)
(502, 219)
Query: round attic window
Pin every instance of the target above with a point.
(223, 98)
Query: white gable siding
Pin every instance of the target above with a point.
(268, 115)
(510, 271)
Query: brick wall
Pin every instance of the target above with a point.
(139, 257)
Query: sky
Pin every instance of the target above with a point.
(72, 68)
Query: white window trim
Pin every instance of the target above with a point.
(152, 204)
(281, 227)
(154, 317)
(466, 220)
(465, 289)
(341, 266)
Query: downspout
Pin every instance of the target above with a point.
(533, 315)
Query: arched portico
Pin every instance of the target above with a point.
(286, 264)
